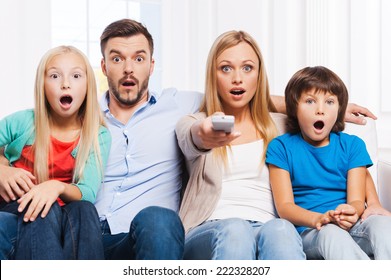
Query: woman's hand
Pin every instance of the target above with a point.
(206, 138)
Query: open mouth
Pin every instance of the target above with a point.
(66, 100)
(319, 125)
(128, 83)
(237, 92)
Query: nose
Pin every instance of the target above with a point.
(65, 84)
(237, 78)
(128, 67)
(320, 109)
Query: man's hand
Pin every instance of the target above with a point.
(14, 182)
(355, 114)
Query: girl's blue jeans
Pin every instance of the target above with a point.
(68, 232)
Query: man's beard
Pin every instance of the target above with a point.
(126, 101)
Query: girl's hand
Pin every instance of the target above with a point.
(14, 182)
(39, 199)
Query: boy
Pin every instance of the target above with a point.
(317, 173)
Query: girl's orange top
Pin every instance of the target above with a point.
(61, 163)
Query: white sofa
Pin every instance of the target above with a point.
(381, 169)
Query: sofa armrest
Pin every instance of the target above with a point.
(384, 178)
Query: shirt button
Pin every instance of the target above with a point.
(128, 156)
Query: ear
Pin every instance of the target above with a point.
(152, 67)
(103, 66)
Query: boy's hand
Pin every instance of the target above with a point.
(345, 216)
(324, 219)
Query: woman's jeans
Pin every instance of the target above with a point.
(370, 238)
(68, 232)
(155, 233)
(238, 239)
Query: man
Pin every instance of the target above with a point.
(139, 198)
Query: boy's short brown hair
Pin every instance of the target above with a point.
(322, 80)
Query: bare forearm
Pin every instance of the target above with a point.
(279, 103)
(371, 196)
(69, 192)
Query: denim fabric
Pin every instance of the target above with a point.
(366, 239)
(8, 225)
(68, 232)
(156, 233)
(238, 239)
(373, 236)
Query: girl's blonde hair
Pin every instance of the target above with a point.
(89, 113)
(261, 104)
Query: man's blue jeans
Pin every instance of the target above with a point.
(155, 233)
(238, 239)
(68, 232)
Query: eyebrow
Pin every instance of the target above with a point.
(73, 68)
(245, 61)
(119, 52)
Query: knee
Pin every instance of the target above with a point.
(280, 227)
(331, 233)
(54, 215)
(377, 225)
(157, 220)
(236, 231)
(81, 208)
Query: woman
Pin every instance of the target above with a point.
(227, 208)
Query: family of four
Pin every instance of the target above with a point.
(145, 176)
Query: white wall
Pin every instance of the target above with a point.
(25, 36)
(349, 36)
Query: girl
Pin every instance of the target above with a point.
(63, 146)
(227, 208)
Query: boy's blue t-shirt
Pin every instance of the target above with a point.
(318, 174)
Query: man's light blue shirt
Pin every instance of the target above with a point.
(145, 163)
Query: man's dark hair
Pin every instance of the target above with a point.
(124, 28)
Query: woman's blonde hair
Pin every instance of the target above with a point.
(89, 113)
(261, 104)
